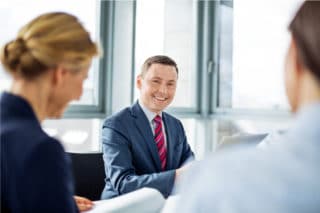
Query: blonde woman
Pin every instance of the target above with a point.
(48, 60)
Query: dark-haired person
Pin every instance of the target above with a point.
(142, 145)
(283, 178)
(48, 61)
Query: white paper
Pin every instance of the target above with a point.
(146, 200)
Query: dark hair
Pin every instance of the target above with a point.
(305, 29)
(158, 59)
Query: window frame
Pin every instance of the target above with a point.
(207, 66)
(225, 112)
(105, 21)
(185, 112)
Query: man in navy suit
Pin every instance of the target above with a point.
(142, 145)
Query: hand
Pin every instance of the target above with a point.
(182, 170)
(83, 204)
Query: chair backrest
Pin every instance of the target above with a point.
(88, 173)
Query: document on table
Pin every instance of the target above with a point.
(146, 200)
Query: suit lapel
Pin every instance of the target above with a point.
(170, 141)
(142, 124)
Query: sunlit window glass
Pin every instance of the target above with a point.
(253, 43)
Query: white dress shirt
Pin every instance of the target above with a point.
(151, 115)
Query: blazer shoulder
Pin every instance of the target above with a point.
(26, 129)
(28, 138)
(40, 138)
(48, 146)
(118, 118)
(173, 122)
(171, 118)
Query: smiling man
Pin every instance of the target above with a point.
(142, 145)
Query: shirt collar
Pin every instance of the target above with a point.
(150, 115)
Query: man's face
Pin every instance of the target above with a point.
(157, 87)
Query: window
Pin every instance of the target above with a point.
(14, 15)
(253, 45)
(251, 50)
(168, 27)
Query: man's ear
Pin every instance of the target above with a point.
(139, 81)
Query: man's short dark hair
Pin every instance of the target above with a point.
(158, 59)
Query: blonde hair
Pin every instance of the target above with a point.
(49, 40)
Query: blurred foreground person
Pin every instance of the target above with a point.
(284, 177)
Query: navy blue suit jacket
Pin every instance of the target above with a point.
(131, 156)
(35, 171)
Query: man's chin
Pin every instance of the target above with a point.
(159, 108)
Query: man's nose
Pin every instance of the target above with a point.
(163, 89)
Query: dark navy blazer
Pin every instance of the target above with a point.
(131, 156)
(35, 171)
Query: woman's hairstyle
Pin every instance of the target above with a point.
(305, 29)
(158, 59)
(49, 40)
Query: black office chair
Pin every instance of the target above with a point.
(88, 173)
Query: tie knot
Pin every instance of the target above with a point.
(157, 119)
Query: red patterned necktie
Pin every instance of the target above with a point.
(159, 139)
